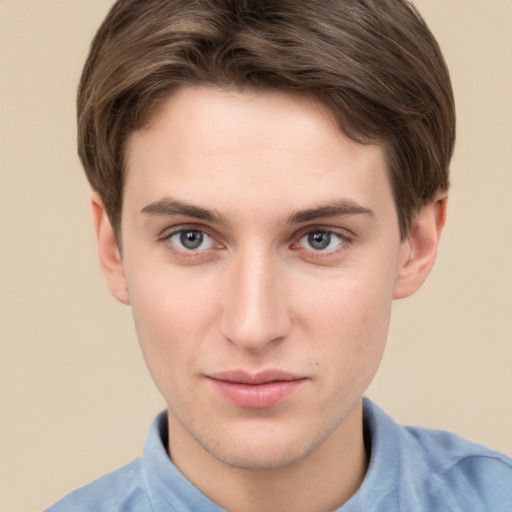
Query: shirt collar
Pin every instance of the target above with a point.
(167, 487)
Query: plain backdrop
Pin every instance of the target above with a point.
(76, 399)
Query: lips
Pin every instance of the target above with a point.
(256, 391)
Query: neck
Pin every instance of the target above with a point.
(331, 473)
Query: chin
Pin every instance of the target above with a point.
(264, 447)
(257, 457)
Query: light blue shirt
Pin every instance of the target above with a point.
(411, 470)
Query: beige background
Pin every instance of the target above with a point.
(75, 397)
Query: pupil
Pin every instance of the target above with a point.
(319, 240)
(191, 239)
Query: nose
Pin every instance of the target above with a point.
(255, 306)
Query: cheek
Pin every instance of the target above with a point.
(352, 304)
(350, 323)
(173, 315)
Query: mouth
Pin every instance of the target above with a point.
(256, 390)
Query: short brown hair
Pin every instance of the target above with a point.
(373, 63)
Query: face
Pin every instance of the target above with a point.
(260, 257)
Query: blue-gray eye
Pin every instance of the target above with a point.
(191, 239)
(321, 240)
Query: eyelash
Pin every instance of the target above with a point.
(186, 252)
(343, 239)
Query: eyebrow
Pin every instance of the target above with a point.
(335, 209)
(167, 207)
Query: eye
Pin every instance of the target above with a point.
(321, 240)
(191, 240)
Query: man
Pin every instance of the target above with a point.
(267, 177)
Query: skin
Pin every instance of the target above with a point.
(299, 258)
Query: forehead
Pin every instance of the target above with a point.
(220, 146)
(207, 116)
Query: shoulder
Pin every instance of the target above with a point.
(417, 469)
(464, 474)
(120, 490)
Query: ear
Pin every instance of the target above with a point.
(108, 251)
(418, 252)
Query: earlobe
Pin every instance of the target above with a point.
(419, 251)
(108, 251)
